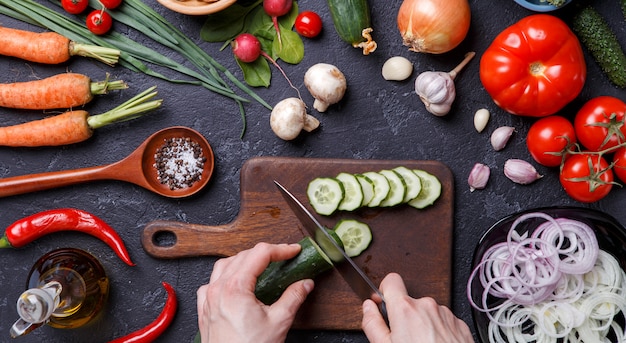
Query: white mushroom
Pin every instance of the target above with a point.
(326, 83)
(289, 118)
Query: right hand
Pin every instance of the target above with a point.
(411, 320)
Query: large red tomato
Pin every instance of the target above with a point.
(534, 67)
(600, 123)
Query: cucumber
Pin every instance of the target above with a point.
(412, 181)
(602, 43)
(381, 188)
(367, 187)
(431, 190)
(397, 188)
(353, 23)
(356, 236)
(353, 195)
(325, 194)
(309, 263)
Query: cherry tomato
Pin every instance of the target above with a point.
(308, 24)
(600, 123)
(549, 138)
(99, 22)
(111, 4)
(74, 6)
(619, 164)
(534, 67)
(586, 177)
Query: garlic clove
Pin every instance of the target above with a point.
(397, 68)
(500, 137)
(478, 177)
(520, 171)
(481, 118)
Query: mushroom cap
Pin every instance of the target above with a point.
(289, 118)
(326, 83)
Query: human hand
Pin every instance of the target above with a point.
(411, 320)
(228, 310)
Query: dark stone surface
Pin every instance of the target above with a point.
(376, 120)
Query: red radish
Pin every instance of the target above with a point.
(247, 48)
(275, 9)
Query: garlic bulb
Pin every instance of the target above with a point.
(436, 89)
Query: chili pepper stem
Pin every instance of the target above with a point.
(4, 242)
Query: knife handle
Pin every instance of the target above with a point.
(172, 239)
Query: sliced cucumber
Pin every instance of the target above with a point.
(431, 190)
(356, 236)
(328, 247)
(325, 194)
(381, 188)
(412, 181)
(397, 188)
(367, 187)
(353, 195)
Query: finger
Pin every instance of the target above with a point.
(393, 286)
(292, 298)
(373, 324)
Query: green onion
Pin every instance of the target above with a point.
(139, 16)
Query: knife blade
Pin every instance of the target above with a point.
(356, 278)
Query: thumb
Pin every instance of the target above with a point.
(373, 324)
(293, 297)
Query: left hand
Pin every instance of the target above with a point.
(228, 310)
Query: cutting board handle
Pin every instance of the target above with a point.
(172, 239)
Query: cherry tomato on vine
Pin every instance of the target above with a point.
(74, 6)
(549, 138)
(600, 123)
(99, 22)
(308, 24)
(111, 4)
(586, 177)
(534, 67)
(619, 164)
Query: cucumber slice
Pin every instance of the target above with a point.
(397, 188)
(356, 236)
(412, 181)
(381, 188)
(367, 187)
(353, 195)
(431, 190)
(325, 194)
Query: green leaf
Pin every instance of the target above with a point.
(227, 24)
(257, 73)
(293, 48)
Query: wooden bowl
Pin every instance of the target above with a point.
(196, 7)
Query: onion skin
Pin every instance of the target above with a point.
(433, 26)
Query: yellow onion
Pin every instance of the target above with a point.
(433, 26)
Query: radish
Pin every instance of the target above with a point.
(275, 9)
(247, 48)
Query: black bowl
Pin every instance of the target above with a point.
(610, 233)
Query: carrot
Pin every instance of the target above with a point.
(74, 126)
(66, 90)
(50, 47)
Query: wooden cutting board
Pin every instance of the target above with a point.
(415, 243)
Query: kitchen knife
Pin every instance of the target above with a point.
(360, 283)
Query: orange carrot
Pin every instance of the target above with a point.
(74, 126)
(66, 90)
(49, 47)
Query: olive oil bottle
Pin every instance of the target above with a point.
(66, 289)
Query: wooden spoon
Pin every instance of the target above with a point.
(137, 168)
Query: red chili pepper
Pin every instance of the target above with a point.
(158, 326)
(40, 224)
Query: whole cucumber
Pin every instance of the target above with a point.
(353, 23)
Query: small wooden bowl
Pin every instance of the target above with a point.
(196, 7)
